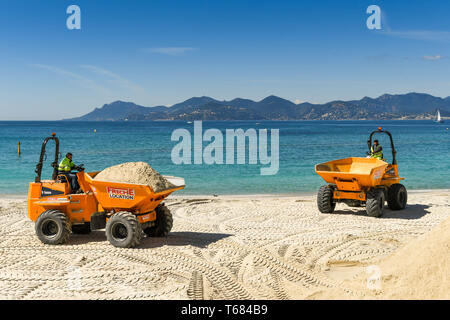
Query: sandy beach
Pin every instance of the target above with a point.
(226, 247)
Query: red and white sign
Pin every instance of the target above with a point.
(119, 193)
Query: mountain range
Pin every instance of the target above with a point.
(387, 106)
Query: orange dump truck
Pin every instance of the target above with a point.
(123, 210)
(361, 182)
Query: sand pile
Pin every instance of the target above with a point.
(418, 271)
(136, 173)
(421, 269)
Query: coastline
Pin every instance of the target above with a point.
(244, 120)
(240, 196)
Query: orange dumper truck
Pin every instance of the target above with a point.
(124, 210)
(361, 182)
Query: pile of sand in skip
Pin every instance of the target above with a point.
(135, 173)
(419, 270)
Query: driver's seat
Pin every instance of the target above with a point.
(63, 179)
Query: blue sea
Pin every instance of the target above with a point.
(423, 150)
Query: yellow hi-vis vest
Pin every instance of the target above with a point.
(66, 165)
(376, 155)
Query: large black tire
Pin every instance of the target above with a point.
(397, 197)
(325, 199)
(163, 223)
(82, 228)
(53, 227)
(123, 230)
(375, 203)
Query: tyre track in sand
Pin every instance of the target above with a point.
(220, 279)
(219, 248)
(195, 291)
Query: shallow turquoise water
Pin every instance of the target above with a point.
(423, 152)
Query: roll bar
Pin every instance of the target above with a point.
(41, 159)
(380, 130)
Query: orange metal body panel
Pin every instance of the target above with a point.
(77, 207)
(149, 217)
(352, 185)
(338, 195)
(391, 176)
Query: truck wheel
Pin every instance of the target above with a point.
(397, 197)
(325, 199)
(52, 227)
(123, 230)
(81, 228)
(375, 203)
(163, 223)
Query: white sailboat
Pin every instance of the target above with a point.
(438, 117)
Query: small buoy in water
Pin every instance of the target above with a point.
(18, 148)
(95, 130)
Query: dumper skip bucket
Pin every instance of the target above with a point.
(365, 172)
(137, 198)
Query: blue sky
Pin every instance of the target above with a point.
(163, 52)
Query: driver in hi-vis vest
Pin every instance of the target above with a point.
(376, 151)
(65, 166)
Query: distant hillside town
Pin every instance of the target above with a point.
(386, 107)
